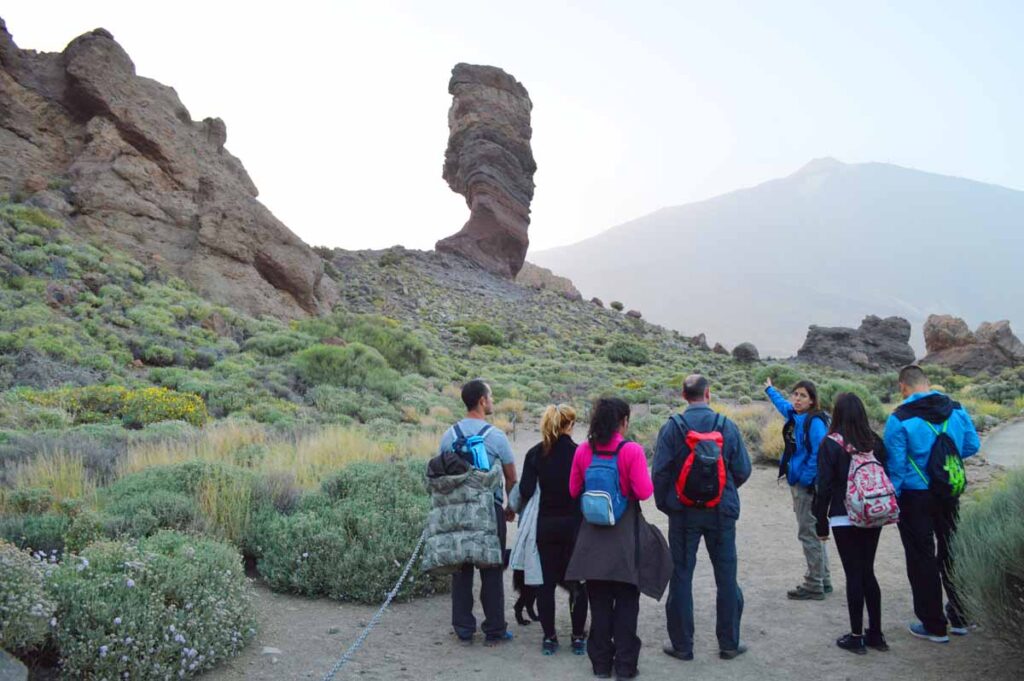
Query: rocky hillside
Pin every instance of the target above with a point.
(120, 159)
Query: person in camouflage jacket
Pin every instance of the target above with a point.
(462, 526)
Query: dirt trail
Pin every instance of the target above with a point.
(1005, 445)
(787, 639)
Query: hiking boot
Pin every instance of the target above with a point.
(671, 651)
(876, 641)
(828, 587)
(579, 645)
(549, 646)
(732, 654)
(802, 594)
(918, 630)
(855, 644)
(465, 640)
(491, 641)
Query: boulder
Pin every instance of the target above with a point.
(720, 349)
(876, 345)
(489, 161)
(11, 668)
(597, 301)
(700, 342)
(542, 278)
(119, 157)
(944, 331)
(745, 352)
(991, 348)
(633, 314)
(1001, 336)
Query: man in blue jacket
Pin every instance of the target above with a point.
(687, 524)
(926, 518)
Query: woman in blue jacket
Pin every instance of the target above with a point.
(806, 426)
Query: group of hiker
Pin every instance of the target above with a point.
(581, 527)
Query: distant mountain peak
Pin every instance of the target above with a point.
(820, 165)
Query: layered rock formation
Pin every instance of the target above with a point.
(950, 343)
(877, 345)
(121, 158)
(545, 279)
(489, 161)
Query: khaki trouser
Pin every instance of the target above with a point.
(815, 551)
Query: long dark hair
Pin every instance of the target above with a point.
(605, 418)
(850, 419)
(812, 392)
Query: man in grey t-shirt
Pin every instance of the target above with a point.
(476, 395)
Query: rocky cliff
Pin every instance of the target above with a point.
(489, 161)
(877, 345)
(992, 347)
(119, 155)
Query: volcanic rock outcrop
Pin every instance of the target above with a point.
(545, 279)
(877, 345)
(950, 343)
(120, 157)
(489, 161)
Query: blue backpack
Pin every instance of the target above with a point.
(603, 502)
(472, 448)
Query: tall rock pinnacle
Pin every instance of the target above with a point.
(489, 161)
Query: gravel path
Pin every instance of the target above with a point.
(787, 639)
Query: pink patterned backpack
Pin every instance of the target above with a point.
(870, 496)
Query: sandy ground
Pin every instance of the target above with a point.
(787, 639)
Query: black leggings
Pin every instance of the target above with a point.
(555, 539)
(857, 546)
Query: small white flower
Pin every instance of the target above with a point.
(305, 554)
(103, 651)
(53, 621)
(179, 638)
(129, 583)
(117, 620)
(171, 629)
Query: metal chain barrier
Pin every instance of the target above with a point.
(352, 649)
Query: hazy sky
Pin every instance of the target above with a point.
(339, 109)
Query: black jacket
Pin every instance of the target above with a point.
(833, 471)
(551, 471)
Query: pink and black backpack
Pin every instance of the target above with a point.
(870, 496)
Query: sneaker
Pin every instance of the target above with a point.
(499, 639)
(855, 644)
(732, 654)
(631, 674)
(549, 646)
(959, 631)
(828, 587)
(802, 594)
(579, 645)
(918, 630)
(876, 641)
(465, 640)
(671, 651)
(602, 674)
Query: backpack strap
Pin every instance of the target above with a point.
(483, 431)
(935, 430)
(459, 435)
(618, 449)
(681, 424)
(807, 427)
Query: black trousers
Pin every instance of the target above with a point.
(857, 547)
(556, 536)
(614, 607)
(927, 524)
(492, 594)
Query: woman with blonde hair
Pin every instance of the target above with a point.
(547, 466)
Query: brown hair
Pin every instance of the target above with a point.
(553, 422)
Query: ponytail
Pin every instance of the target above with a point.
(553, 422)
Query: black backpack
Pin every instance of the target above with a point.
(946, 475)
(789, 437)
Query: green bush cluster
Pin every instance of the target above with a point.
(354, 366)
(351, 541)
(482, 333)
(170, 606)
(25, 606)
(628, 352)
(988, 551)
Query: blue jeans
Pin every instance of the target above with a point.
(684, 534)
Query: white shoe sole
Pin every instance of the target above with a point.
(928, 637)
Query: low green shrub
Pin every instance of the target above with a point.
(783, 377)
(482, 333)
(988, 551)
(42, 532)
(143, 515)
(403, 350)
(25, 607)
(167, 606)
(616, 305)
(354, 365)
(828, 390)
(628, 352)
(150, 405)
(278, 344)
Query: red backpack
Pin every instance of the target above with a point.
(701, 479)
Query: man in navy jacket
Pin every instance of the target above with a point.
(686, 525)
(926, 518)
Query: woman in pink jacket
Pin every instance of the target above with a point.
(604, 556)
